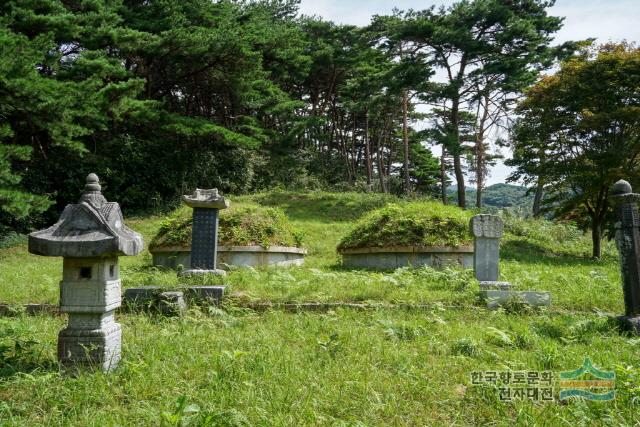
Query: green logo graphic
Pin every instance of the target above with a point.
(588, 382)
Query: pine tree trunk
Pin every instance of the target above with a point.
(352, 151)
(405, 140)
(480, 157)
(457, 164)
(383, 187)
(457, 169)
(479, 172)
(367, 145)
(443, 176)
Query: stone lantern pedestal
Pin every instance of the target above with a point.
(204, 232)
(89, 236)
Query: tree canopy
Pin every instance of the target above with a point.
(579, 132)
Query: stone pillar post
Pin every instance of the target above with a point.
(627, 228)
(89, 236)
(487, 231)
(204, 231)
(90, 294)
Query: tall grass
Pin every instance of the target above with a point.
(235, 367)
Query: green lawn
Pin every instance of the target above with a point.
(343, 367)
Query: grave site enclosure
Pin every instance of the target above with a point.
(292, 213)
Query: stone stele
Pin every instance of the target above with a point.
(487, 231)
(90, 236)
(204, 231)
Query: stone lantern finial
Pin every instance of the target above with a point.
(621, 187)
(92, 191)
(93, 183)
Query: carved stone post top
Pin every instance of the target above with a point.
(621, 193)
(485, 225)
(209, 199)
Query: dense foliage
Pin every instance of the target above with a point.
(243, 225)
(420, 223)
(158, 97)
(579, 132)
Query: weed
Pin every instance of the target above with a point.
(465, 347)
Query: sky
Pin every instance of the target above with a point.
(605, 20)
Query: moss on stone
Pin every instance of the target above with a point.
(420, 223)
(240, 225)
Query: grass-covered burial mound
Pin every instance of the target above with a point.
(423, 223)
(412, 233)
(248, 234)
(243, 225)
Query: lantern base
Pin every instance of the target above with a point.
(90, 347)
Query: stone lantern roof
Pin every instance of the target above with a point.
(210, 199)
(91, 228)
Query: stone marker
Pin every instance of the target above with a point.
(497, 298)
(205, 294)
(172, 303)
(142, 297)
(204, 231)
(487, 231)
(90, 236)
(501, 286)
(627, 228)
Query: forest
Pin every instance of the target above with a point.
(158, 97)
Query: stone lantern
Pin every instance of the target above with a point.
(90, 236)
(204, 231)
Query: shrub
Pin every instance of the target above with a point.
(541, 229)
(421, 223)
(241, 225)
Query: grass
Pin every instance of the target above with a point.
(379, 366)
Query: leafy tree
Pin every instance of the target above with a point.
(579, 132)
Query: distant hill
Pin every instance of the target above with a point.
(497, 196)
